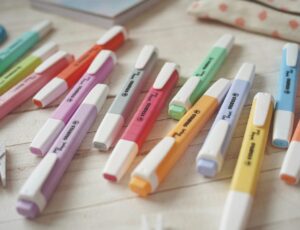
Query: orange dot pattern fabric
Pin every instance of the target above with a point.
(275, 18)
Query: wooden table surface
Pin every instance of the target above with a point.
(83, 200)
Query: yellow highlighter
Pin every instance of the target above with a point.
(157, 164)
(243, 186)
(26, 66)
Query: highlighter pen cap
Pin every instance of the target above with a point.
(100, 60)
(120, 160)
(210, 159)
(226, 42)
(236, 211)
(47, 94)
(165, 74)
(97, 96)
(107, 131)
(145, 56)
(263, 101)
(219, 89)
(46, 51)
(53, 60)
(292, 54)
(290, 170)
(182, 98)
(46, 136)
(246, 73)
(42, 28)
(111, 34)
(32, 189)
(147, 168)
(282, 136)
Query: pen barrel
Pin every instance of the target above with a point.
(287, 90)
(124, 102)
(74, 98)
(18, 73)
(186, 130)
(147, 113)
(17, 49)
(66, 145)
(231, 109)
(207, 71)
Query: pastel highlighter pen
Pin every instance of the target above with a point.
(31, 84)
(155, 167)
(246, 174)
(26, 66)
(111, 40)
(141, 124)
(125, 100)
(211, 156)
(19, 47)
(199, 82)
(286, 96)
(41, 185)
(98, 72)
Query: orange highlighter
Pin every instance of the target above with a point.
(156, 165)
(111, 40)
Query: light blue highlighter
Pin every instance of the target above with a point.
(286, 96)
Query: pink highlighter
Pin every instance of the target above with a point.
(31, 84)
(141, 124)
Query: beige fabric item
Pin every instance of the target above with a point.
(251, 16)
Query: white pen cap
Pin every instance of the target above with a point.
(236, 211)
(46, 50)
(211, 150)
(31, 190)
(226, 42)
(52, 60)
(108, 130)
(292, 54)
(182, 98)
(219, 89)
(147, 168)
(97, 96)
(100, 60)
(111, 33)
(282, 128)
(290, 169)
(42, 28)
(147, 53)
(246, 73)
(45, 96)
(120, 160)
(46, 136)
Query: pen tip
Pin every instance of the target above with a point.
(110, 177)
(37, 103)
(288, 179)
(27, 209)
(139, 186)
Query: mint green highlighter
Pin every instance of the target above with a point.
(19, 47)
(196, 85)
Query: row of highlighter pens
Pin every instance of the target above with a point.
(48, 73)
